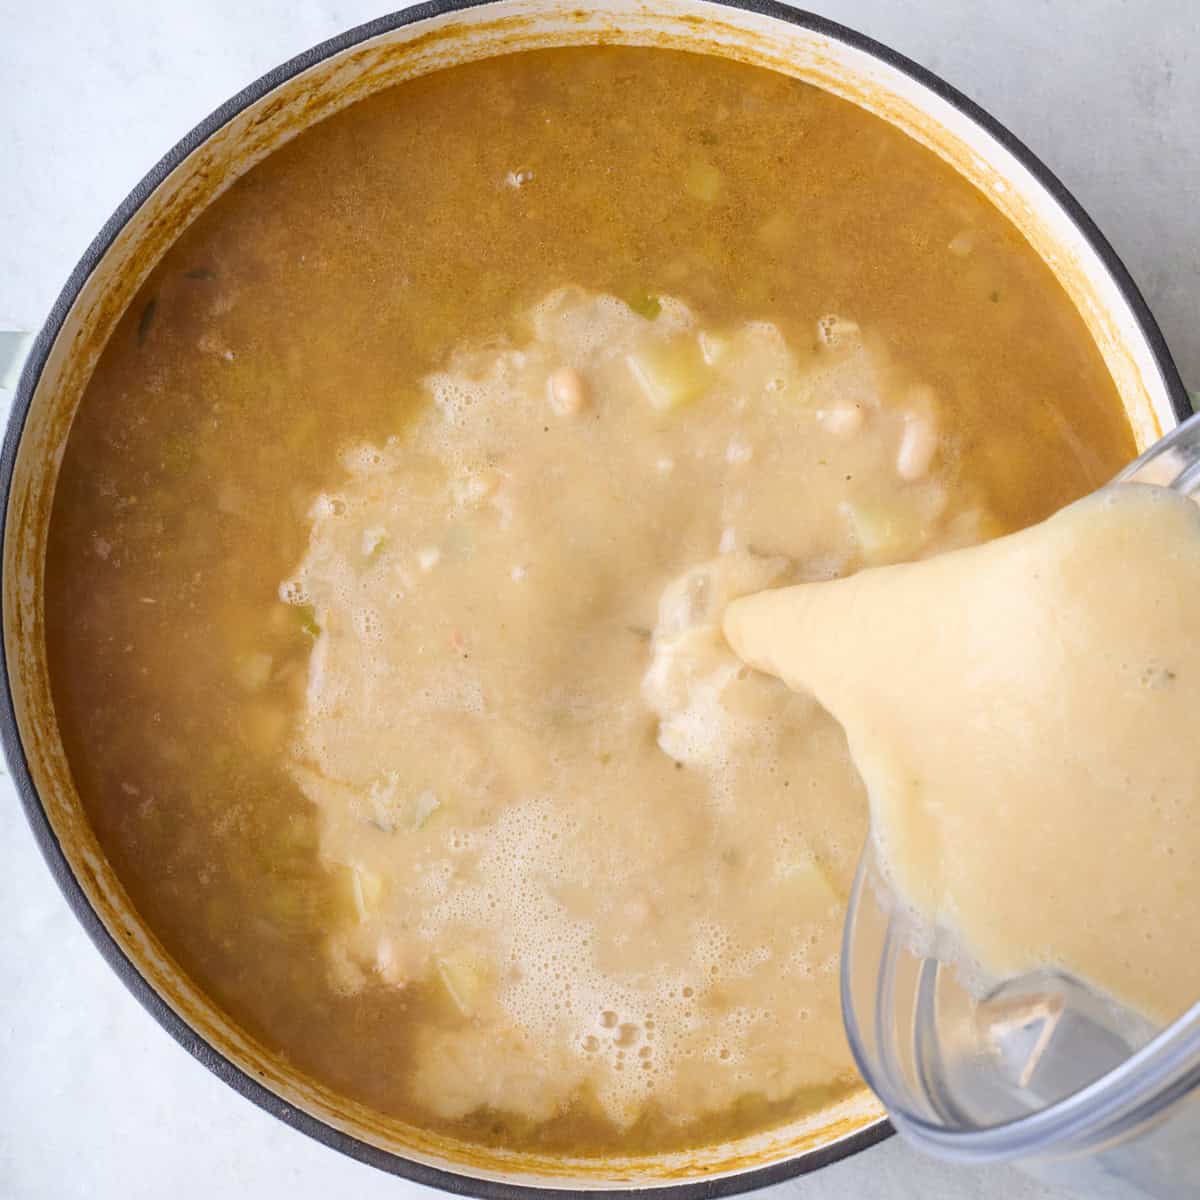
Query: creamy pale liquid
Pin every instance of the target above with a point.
(528, 743)
(1023, 714)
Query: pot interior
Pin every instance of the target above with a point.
(240, 135)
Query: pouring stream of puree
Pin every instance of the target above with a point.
(1023, 714)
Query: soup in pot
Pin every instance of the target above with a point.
(392, 540)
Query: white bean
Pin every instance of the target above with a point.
(844, 420)
(566, 392)
(918, 445)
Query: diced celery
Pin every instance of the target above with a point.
(462, 980)
(670, 373)
(645, 305)
(294, 905)
(885, 533)
(253, 671)
(702, 181)
(307, 618)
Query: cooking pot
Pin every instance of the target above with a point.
(284, 102)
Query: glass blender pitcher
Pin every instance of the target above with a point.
(1040, 1070)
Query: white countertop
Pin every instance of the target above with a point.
(95, 1099)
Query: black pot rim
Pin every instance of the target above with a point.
(124, 967)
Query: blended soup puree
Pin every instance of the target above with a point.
(391, 545)
(1024, 714)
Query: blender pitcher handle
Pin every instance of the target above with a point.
(14, 349)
